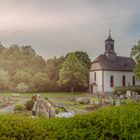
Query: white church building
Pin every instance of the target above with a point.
(109, 70)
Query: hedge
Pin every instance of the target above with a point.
(122, 90)
(108, 123)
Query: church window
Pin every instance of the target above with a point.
(125, 65)
(133, 80)
(111, 81)
(111, 46)
(94, 76)
(106, 47)
(123, 80)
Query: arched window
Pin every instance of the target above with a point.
(111, 81)
(112, 47)
(106, 47)
(133, 80)
(94, 76)
(123, 80)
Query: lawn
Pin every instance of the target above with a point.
(50, 95)
(63, 94)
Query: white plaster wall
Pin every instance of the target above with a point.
(137, 82)
(98, 79)
(117, 79)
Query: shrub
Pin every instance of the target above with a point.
(19, 108)
(46, 98)
(122, 90)
(29, 104)
(108, 123)
(58, 110)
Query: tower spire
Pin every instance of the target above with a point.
(109, 31)
(109, 47)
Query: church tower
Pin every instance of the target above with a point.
(109, 48)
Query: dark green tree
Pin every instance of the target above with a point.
(53, 67)
(83, 58)
(40, 82)
(4, 80)
(22, 76)
(72, 72)
(135, 51)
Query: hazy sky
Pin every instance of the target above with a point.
(55, 27)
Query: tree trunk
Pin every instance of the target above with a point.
(72, 89)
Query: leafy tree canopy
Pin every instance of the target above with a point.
(72, 72)
(135, 52)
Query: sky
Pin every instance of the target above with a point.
(56, 27)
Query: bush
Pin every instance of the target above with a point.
(122, 90)
(15, 127)
(58, 110)
(19, 108)
(29, 104)
(108, 123)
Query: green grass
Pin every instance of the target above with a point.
(5, 94)
(81, 106)
(63, 95)
(49, 95)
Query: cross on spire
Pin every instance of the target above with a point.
(109, 31)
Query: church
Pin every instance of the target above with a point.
(109, 70)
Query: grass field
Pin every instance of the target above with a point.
(50, 95)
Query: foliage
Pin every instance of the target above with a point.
(19, 108)
(107, 123)
(135, 52)
(22, 87)
(40, 81)
(53, 67)
(123, 90)
(15, 127)
(21, 64)
(58, 110)
(22, 76)
(137, 70)
(29, 104)
(84, 60)
(72, 72)
(4, 80)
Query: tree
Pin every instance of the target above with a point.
(72, 72)
(22, 87)
(135, 51)
(28, 50)
(83, 58)
(4, 80)
(40, 82)
(85, 61)
(22, 76)
(53, 67)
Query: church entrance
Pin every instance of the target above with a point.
(93, 88)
